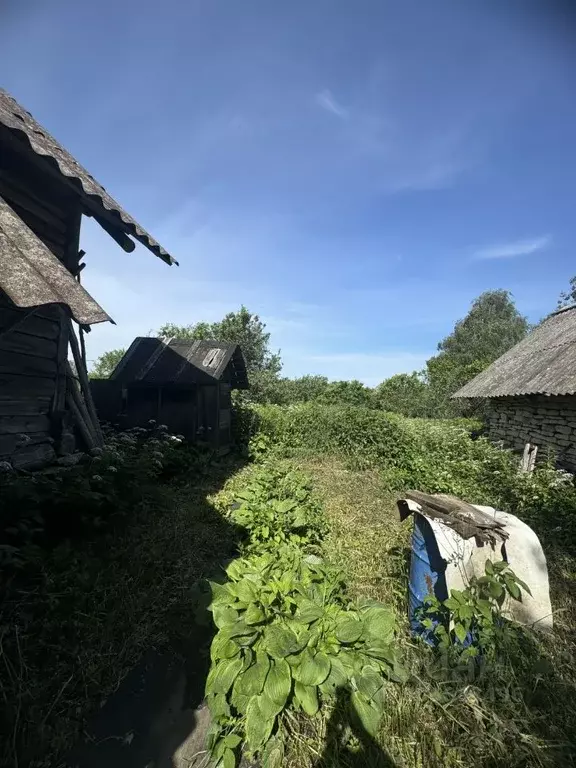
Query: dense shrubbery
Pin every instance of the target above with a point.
(433, 456)
(61, 501)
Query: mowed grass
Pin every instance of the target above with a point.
(519, 712)
(78, 623)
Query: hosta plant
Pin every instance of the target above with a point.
(288, 638)
(278, 507)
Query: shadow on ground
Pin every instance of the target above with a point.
(139, 602)
(348, 744)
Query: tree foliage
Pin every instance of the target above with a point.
(243, 328)
(105, 364)
(492, 326)
(568, 297)
(405, 393)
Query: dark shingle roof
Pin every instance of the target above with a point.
(542, 363)
(31, 275)
(22, 124)
(152, 361)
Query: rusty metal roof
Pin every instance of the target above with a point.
(22, 124)
(31, 275)
(153, 361)
(542, 363)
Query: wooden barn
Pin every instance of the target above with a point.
(46, 410)
(185, 385)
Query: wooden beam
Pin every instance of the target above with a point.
(116, 234)
(85, 384)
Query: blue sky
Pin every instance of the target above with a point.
(356, 173)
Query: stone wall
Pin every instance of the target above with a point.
(548, 422)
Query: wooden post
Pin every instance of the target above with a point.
(87, 435)
(85, 385)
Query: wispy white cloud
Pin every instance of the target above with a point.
(514, 248)
(326, 100)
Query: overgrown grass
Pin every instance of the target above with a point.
(519, 710)
(82, 614)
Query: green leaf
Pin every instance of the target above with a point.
(286, 506)
(381, 651)
(228, 759)
(489, 567)
(485, 608)
(224, 616)
(348, 630)
(500, 566)
(244, 590)
(252, 680)
(367, 714)
(460, 632)
(273, 755)
(369, 683)
(254, 614)
(278, 682)
(523, 584)
(224, 675)
(337, 678)
(218, 706)
(281, 642)
(220, 594)
(307, 696)
(495, 589)
(313, 669)
(300, 520)
(258, 727)
(235, 570)
(309, 611)
(239, 628)
(379, 623)
(239, 700)
(232, 740)
(513, 589)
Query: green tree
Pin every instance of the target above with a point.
(406, 393)
(492, 326)
(106, 363)
(347, 393)
(568, 297)
(247, 330)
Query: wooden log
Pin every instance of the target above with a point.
(85, 385)
(79, 421)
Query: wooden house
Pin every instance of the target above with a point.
(530, 391)
(45, 411)
(185, 385)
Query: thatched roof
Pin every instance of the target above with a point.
(152, 361)
(542, 363)
(47, 151)
(31, 275)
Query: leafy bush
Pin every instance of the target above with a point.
(433, 455)
(63, 500)
(277, 507)
(470, 621)
(288, 639)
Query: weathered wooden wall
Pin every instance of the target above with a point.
(34, 344)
